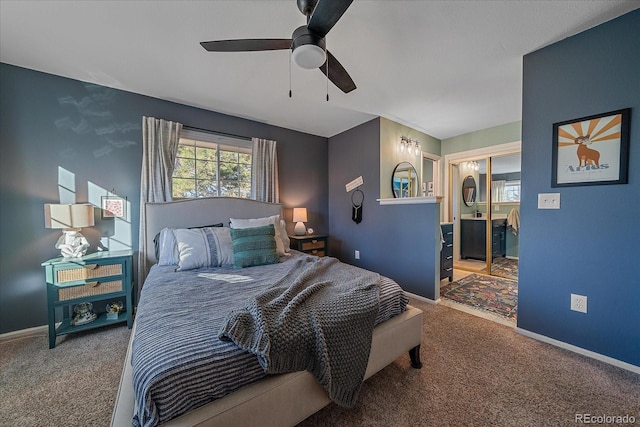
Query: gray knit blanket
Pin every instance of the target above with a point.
(319, 317)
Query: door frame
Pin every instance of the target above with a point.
(492, 150)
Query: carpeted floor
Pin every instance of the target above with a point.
(475, 373)
(495, 295)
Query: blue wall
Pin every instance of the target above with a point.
(93, 133)
(392, 240)
(591, 245)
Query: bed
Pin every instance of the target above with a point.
(258, 402)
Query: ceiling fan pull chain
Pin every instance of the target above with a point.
(289, 73)
(327, 76)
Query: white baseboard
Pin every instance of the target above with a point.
(421, 298)
(580, 350)
(479, 313)
(38, 330)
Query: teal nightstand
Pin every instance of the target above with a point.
(94, 277)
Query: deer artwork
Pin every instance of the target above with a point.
(586, 155)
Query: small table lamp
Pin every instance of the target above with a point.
(69, 218)
(300, 217)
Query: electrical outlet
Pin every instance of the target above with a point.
(579, 303)
(548, 200)
(357, 254)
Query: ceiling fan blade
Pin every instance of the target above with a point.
(246, 45)
(326, 14)
(337, 74)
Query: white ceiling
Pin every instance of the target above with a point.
(442, 67)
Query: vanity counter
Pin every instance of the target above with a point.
(473, 237)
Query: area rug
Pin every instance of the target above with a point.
(504, 267)
(495, 295)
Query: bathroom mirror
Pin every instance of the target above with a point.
(469, 190)
(404, 180)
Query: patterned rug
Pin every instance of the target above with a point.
(504, 267)
(493, 294)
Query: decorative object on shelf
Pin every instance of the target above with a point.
(300, 217)
(310, 231)
(411, 146)
(114, 206)
(70, 218)
(357, 199)
(591, 150)
(113, 309)
(83, 314)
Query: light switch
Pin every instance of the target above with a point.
(548, 200)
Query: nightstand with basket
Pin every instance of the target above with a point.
(74, 284)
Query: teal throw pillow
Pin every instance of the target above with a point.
(254, 246)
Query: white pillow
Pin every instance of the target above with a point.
(259, 222)
(203, 247)
(284, 236)
(167, 248)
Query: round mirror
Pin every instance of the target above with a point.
(469, 190)
(404, 180)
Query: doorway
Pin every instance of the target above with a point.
(486, 211)
(483, 191)
(495, 171)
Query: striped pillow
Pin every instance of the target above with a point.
(254, 246)
(203, 247)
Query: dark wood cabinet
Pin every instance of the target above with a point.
(446, 253)
(473, 240)
(314, 244)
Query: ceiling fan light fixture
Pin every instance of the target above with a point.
(309, 56)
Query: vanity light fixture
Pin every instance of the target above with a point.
(410, 146)
(403, 144)
(473, 165)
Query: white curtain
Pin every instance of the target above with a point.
(159, 147)
(264, 171)
(498, 191)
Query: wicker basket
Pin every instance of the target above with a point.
(89, 272)
(90, 289)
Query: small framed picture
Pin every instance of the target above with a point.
(114, 207)
(591, 150)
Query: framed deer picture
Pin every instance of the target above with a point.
(591, 150)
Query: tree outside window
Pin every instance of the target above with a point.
(207, 169)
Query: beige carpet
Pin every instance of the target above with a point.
(475, 372)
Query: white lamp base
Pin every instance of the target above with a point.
(300, 229)
(72, 244)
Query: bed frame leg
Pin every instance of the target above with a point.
(414, 354)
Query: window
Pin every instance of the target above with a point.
(210, 165)
(512, 191)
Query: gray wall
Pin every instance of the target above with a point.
(589, 246)
(65, 136)
(392, 240)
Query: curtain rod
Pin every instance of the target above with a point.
(217, 133)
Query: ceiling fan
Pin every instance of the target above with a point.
(307, 43)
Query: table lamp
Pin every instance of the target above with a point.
(69, 218)
(300, 217)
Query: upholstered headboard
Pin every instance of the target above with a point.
(199, 212)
